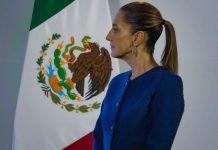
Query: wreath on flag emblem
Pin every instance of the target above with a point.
(62, 78)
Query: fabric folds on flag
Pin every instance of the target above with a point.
(66, 73)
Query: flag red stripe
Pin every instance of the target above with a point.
(84, 143)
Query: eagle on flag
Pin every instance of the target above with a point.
(97, 65)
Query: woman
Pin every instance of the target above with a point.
(143, 107)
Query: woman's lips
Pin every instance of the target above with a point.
(112, 46)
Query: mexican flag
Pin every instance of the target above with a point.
(66, 73)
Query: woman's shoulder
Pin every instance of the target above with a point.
(169, 76)
(170, 80)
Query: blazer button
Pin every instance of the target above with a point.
(126, 83)
(117, 104)
(112, 127)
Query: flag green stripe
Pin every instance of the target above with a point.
(44, 9)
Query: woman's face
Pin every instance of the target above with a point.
(120, 37)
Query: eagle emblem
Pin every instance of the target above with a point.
(63, 78)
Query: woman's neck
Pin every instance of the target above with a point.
(140, 63)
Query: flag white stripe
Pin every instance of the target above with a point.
(40, 124)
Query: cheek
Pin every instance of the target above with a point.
(124, 44)
(121, 40)
(121, 48)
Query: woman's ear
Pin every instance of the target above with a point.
(140, 37)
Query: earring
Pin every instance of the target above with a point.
(134, 50)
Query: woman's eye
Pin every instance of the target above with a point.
(115, 29)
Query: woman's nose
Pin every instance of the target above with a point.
(108, 37)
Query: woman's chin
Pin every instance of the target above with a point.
(114, 55)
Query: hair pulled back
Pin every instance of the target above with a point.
(143, 16)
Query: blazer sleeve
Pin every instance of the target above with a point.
(167, 107)
(98, 133)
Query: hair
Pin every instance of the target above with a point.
(143, 16)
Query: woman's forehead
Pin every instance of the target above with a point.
(119, 16)
(119, 20)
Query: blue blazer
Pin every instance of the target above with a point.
(152, 123)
